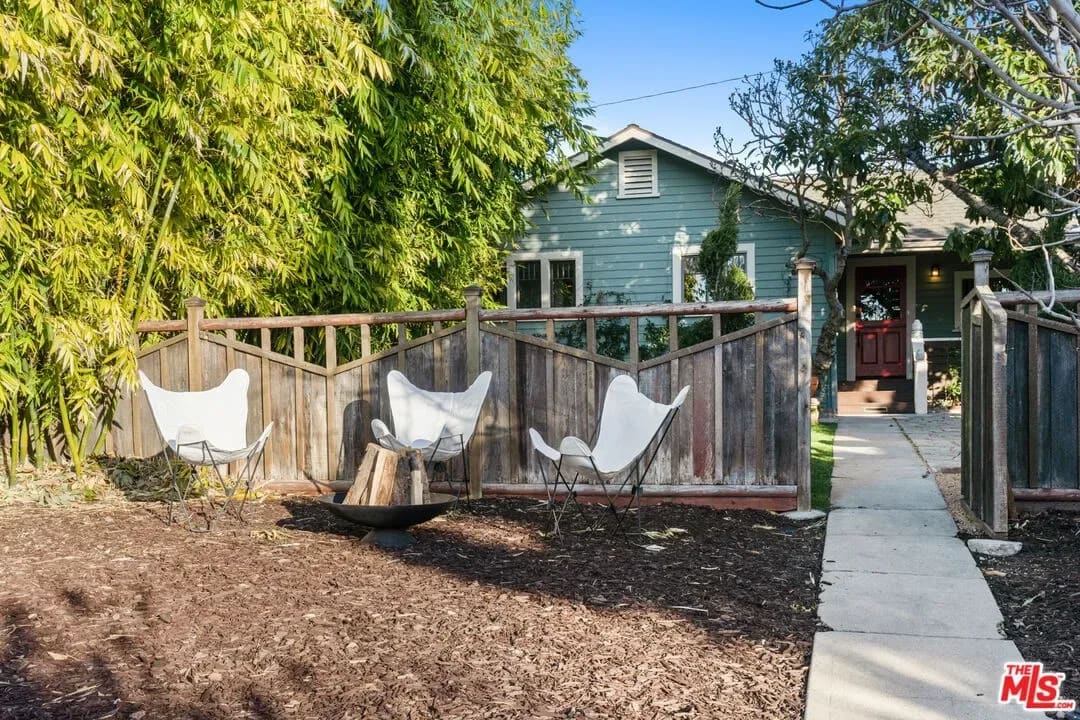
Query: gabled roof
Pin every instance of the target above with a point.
(927, 225)
(707, 162)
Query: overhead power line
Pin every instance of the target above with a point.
(683, 89)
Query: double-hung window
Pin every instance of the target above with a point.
(544, 279)
(687, 282)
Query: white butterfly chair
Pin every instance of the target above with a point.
(438, 424)
(629, 425)
(208, 428)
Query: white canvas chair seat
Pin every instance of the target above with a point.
(629, 423)
(208, 428)
(438, 424)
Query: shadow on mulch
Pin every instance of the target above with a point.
(725, 562)
(92, 689)
(1039, 594)
(108, 613)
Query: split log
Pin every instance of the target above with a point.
(419, 487)
(375, 478)
(382, 479)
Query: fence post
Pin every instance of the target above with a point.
(472, 367)
(981, 258)
(804, 268)
(195, 308)
(918, 354)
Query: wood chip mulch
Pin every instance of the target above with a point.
(1038, 591)
(105, 612)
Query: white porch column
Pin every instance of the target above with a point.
(918, 357)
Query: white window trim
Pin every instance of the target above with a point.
(545, 259)
(678, 252)
(655, 174)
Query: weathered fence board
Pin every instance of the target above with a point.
(739, 429)
(739, 439)
(1021, 399)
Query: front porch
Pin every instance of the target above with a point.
(883, 295)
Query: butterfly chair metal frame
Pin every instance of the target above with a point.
(582, 458)
(440, 425)
(191, 439)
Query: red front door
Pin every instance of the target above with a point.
(880, 322)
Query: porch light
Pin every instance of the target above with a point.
(935, 271)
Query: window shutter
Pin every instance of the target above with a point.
(637, 174)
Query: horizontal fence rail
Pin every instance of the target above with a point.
(743, 432)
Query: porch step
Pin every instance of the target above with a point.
(876, 395)
(876, 409)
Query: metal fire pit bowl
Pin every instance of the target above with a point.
(389, 521)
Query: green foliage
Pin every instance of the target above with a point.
(733, 284)
(271, 156)
(482, 96)
(721, 243)
(655, 340)
(612, 334)
(949, 393)
(993, 104)
(723, 280)
(828, 129)
(656, 336)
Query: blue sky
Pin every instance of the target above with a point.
(636, 48)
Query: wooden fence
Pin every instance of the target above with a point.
(1021, 400)
(744, 431)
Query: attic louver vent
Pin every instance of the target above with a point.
(637, 174)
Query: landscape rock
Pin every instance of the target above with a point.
(799, 515)
(996, 548)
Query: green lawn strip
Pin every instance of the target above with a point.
(821, 462)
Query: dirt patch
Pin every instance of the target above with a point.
(949, 484)
(105, 612)
(1039, 593)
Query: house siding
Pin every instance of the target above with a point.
(627, 243)
(934, 297)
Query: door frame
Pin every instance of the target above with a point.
(851, 337)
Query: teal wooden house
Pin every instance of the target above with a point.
(652, 203)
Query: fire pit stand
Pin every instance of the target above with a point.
(389, 523)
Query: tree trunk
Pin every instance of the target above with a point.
(825, 352)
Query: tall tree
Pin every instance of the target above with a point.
(1002, 79)
(482, 97)
(825, 130)
(268, 155)
(150, 151)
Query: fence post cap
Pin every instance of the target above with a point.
(805, 264)
(194, 302)
(982, 255)
(473, 291)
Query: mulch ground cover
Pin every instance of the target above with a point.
(1038, 591)
(107, 612)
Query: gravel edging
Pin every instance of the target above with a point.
(949, 484)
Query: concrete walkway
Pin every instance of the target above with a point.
(914, 626)
(936, 438)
